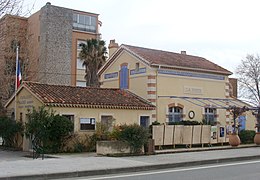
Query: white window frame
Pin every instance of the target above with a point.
(139, 119)
(208, 114)
(91, 123)
(172, 115)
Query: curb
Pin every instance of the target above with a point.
(169, 151)
(127, 169)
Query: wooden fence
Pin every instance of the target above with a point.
(188, 135)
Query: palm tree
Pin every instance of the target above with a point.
(93, 54)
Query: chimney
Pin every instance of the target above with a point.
(232, 87)
(112, 47)
(183, 52)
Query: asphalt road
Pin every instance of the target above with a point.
(249, 170)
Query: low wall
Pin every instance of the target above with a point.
(188, 135)
(112, 147)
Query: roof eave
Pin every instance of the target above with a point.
(100, 106)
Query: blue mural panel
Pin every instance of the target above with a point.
(111, 75)
(191, 74)
(140, 71)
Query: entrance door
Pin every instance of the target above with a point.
(107, 121)
(144, 121)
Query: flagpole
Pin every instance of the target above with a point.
(16, 75)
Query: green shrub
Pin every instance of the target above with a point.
(135, 135)
(247, 136)
(8, 131)
(47, 130)
(185, 123)
(156, 123)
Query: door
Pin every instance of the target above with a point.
(144, 121)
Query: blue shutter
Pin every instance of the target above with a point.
(124, 77)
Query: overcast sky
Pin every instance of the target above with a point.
(222, 31)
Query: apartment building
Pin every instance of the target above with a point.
(49, 44)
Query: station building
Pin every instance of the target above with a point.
(181, 86)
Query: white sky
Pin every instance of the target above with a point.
(222, 31)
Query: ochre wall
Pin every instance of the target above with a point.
(170, 85)
(137, 82)
(25, 100)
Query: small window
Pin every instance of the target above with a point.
(21, 117)
(137, 66)
(81, 83)
(145, 121)
(80, 64)
(75, 18)
(81, 19)
(87, 123)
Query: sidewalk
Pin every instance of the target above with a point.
(75, 165)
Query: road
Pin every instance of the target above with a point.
(249, 170)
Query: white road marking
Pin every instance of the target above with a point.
(173, 170)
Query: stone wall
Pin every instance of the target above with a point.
(55, 45)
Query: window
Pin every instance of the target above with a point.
(210, 114)
(14, 45)
(87, 123)
(21, 117)
(80, 64)
(81, 83)
(70, 117)
(175, 114)
(10, 67)
(123, 77)
(137, 66)
(145, 121)
(80, 42)
(84, 22)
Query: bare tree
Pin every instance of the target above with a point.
(13, 32)
(248, 73)
(10, 7)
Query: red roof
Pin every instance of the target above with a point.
(164, 58)
(70, 96)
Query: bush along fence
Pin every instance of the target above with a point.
(165, 135)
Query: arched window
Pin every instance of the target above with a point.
(210, 116)
(123, 76)
(175, 114)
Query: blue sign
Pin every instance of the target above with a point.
(111, 75)
(190, 74)
(140, 71)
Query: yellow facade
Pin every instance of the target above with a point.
(25, 101)
(137, 83)
(158, 83)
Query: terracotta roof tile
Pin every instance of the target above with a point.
(158, 57)
(60, 95)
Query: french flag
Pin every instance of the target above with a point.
(18, 75)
